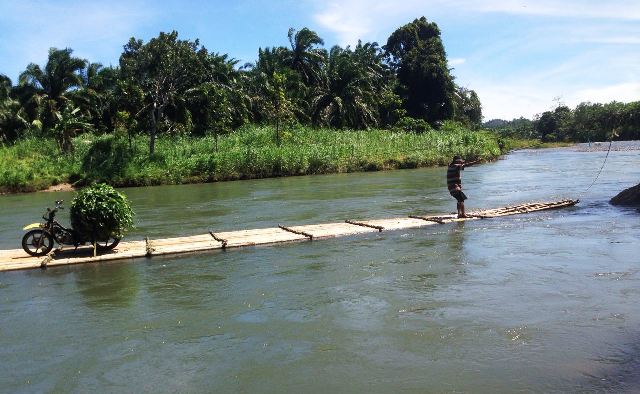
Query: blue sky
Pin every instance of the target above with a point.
(522, 57)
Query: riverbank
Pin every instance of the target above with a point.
(35, 164)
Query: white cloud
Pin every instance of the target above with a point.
(456, 61)
(625, 92)
(346, 25)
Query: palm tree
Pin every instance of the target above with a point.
(99, 97)
(49, 89)
(303, 57)
(347, 95)
(266, 78)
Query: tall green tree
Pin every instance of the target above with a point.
(416, 53)
(163, 70)
(630, 128)
(468, 108)
(555, 125)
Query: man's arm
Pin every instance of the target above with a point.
(470, 163)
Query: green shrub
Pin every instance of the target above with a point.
(412, 125)
(100, 212)
(105, 159)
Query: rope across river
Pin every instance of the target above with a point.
(613, 134)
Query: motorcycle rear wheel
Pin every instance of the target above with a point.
(103, 246)
(37, 242)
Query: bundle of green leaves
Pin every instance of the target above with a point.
(99, 212)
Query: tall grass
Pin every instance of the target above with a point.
(250, 152)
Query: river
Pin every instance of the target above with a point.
(544, 302)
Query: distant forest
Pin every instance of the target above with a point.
(586, 122)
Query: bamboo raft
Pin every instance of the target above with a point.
(17, 259)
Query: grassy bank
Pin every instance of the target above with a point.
(251, 152)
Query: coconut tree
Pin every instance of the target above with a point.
(97, 98)
(49, 89)
(346, 96)
(304, 57)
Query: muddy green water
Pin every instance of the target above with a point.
(545, 302)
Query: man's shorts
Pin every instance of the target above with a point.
(459, 195)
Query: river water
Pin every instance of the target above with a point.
(543, 302)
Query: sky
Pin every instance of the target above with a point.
(522, 57)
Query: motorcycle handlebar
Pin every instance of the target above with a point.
(52, 212)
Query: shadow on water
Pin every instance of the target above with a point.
(191, 289)
(455, 243)
(442, 264)
(617, 372)
(109, 285)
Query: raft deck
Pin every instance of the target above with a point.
(17, 259)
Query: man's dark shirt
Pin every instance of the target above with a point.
(454, 181)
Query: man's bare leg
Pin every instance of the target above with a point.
(461, 213)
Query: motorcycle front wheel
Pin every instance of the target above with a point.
(37, 242)
(103, 246)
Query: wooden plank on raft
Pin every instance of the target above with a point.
(195, 243)
(260, 236)
(524, 208)
(398, 223)
(124, 251)
(16, 259)
(71, 255)
(10, 254)
(329, 230)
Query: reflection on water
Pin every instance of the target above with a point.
(108, 286)
(544, 302)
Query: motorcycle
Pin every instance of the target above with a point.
(39, 240)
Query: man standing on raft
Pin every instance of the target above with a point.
(454, 182)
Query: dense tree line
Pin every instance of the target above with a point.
(173, 86)
(590, 122)
(586, 122)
